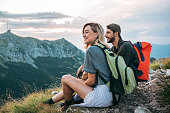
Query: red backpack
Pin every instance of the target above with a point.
(143, 50)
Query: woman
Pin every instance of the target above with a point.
(91, 88)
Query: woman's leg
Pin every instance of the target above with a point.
(58, 97)
(71, 84)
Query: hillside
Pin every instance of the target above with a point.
(28, 64)
(145, 99)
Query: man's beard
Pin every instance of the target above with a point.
(111, 40)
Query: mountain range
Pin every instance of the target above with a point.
(28, 64)
(160, 51)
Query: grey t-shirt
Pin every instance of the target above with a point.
(95, 63)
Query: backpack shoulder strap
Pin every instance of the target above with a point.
(139, 47)
(102, 47)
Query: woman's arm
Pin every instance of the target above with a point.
(91, 79)
(84, 76)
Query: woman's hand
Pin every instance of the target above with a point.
(80, 69)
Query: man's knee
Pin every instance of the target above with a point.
(66, 78)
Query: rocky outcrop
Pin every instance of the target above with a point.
(14, 48)
(145, 99)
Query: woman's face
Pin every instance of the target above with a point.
(88, 35)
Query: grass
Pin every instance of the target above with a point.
(155, 65)
(32, 103)
(163, 63)
(166, 63)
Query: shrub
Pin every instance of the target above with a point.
(166, 63)
(161, 63)
(155, 65)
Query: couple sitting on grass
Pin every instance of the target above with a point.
(90, 90)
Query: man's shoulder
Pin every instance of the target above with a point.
(126, 48)
(126, 45)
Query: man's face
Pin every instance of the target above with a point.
(109, 36)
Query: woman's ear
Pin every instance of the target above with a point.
(96, 35)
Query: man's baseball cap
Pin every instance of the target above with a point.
(114, 27)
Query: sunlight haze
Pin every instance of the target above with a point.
(140, 20)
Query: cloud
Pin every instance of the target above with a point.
(138, 19)
(150, 20)
(153, 39)
(48, 20)
(32, 20)
(40, 15)
(79, 22)
(34, 24)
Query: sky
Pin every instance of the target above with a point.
(140, 20)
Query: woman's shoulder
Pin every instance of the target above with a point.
(93, 49)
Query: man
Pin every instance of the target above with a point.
(121, 47)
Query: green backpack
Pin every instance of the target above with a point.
(122, 81)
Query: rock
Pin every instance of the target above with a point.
(163, 71)
(140, 109)
(158, 71)
(154, 103)
(151, 77)
(156, 80)
(151, 71)
(117, 110)
(168, 72)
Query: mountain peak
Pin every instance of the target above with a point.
(18, 49)
(8, 32)
(62, 40)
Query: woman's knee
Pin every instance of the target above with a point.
(66, 78)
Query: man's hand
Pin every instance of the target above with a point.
(80, 69)
(84, 76)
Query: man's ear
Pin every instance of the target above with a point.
(116, 34)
